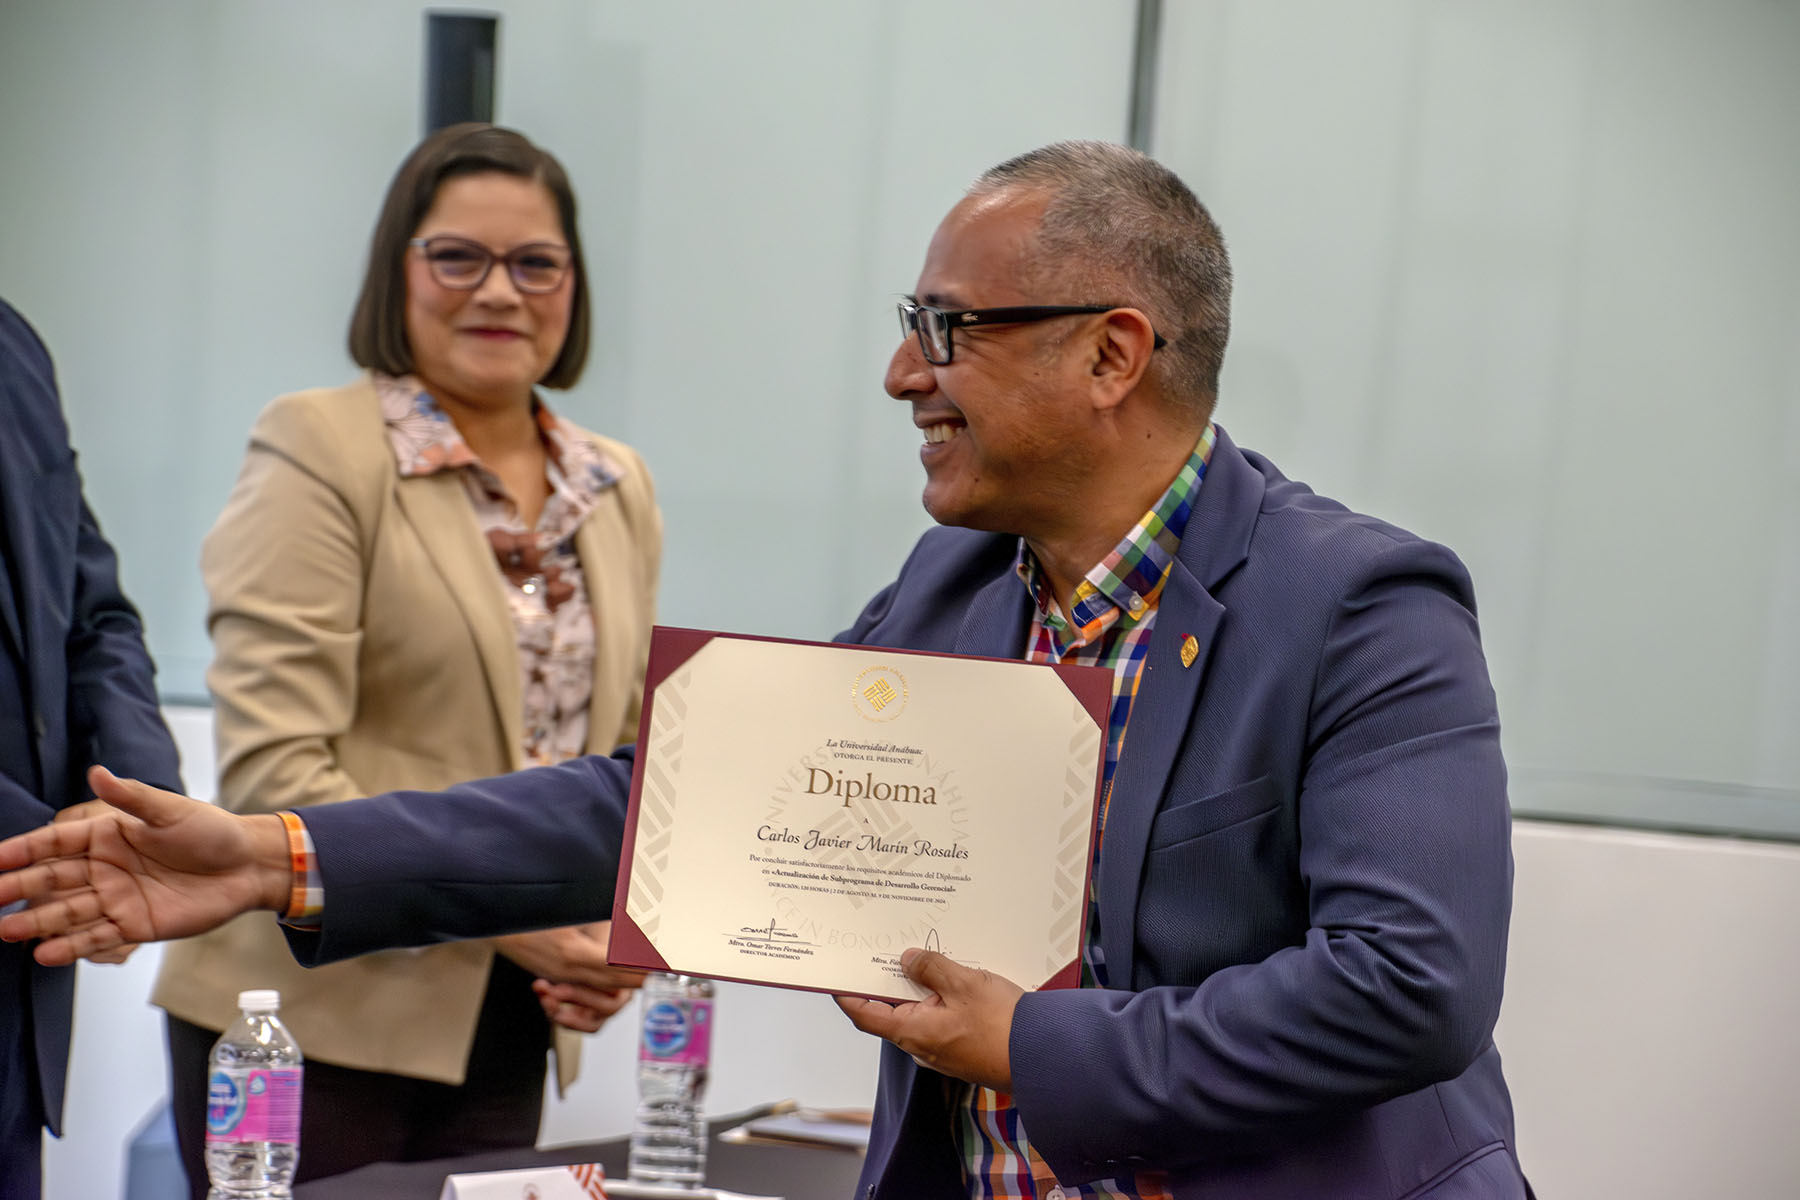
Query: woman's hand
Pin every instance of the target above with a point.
(578, 988)
(571, 954)
(580, 1008)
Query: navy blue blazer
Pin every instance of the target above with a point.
(76, 684)
(1304, 885)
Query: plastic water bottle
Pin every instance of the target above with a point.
(668, 1142)
(253, 1105)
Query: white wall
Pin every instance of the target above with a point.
(118, 1072)
(1649, 1031)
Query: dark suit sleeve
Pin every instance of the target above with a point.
(531, 850)
(114, 719)
(1404, 858)
(110, 708)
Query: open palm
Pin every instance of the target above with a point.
(153, 865)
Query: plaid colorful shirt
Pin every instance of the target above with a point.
(1108, 625)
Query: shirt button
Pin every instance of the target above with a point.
(1137, 607)
(1054, 1193)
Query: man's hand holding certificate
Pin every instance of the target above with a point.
(802, 813)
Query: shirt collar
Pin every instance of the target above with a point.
(1130, 577)
(425, 441)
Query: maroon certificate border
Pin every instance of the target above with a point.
(672, 646)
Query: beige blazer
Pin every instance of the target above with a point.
(362, 644)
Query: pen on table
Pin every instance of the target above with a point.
(771, 1109)
(843, 1116)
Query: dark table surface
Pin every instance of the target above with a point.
(793, 1172)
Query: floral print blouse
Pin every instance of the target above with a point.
(545, 591)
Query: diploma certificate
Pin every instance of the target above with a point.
(803, 812)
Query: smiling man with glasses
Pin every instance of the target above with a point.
(934, 326)
(1299, 906)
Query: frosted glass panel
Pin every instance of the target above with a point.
(1521, 276)
(186, 212)
(1526, 278)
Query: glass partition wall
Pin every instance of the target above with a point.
(1522, 277)
(1525, 278)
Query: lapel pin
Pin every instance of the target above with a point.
(1190, 650)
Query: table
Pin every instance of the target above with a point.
(793, 1172)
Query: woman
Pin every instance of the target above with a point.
(421, 578)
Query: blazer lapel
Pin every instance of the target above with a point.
(41, 509)
(1216, 542)
(997, 619)
(16, 578)
(438, 508)
(20, 476)
(603, 544)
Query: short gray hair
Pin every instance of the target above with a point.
(1121, 228)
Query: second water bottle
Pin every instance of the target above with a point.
(668, 1140)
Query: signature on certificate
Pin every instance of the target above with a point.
(770, 933)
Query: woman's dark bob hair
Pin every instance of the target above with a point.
(378, 328)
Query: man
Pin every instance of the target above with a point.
(76, 687)
(1300, 900)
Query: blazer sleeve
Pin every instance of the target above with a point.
(111, 706)
(114, 718)
(283, 568)
(1405, 862)
(530, 850)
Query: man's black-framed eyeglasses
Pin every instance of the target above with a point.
(934, 325)
(463, 266)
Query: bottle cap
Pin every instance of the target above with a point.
(260, 1000)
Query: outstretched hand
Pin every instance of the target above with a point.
(81, 812)
(152, 865)
(962, 1029)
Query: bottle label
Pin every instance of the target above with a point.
(255, 1105)
(677, 1032)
